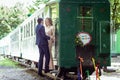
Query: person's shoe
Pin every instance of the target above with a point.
(41, 75)
(47, 71)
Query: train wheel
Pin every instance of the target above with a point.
(100, 73)
(105, 69)
(61, 73)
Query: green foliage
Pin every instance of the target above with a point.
(8, 63)
(35, 6)
(38, 2)
(115, 13)
(10, 18)
(78, 41)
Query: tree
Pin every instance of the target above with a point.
(35, 6)
(115, 13)
(4, 26)
(10, 18)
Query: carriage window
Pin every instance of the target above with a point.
(32, 28)
(15, 37)
(85, 18)
(85, 11)
(54, 16)
(35, 23)
(42, 15)
(21, 31)
(28, 30)
(24, 31)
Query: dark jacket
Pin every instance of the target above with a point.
(41, 37)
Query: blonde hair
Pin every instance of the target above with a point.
(50, 22)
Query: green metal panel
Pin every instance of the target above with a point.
(104, 44)
(102, 32)
(102, 11)
(104, 37)
(67, 33)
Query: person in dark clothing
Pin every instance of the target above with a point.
(42, 42)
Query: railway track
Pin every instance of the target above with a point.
(115, 64)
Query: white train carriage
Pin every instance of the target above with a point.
(27, 29)
(28, 48)
(5, 46)
(15, 43)
(22, 39)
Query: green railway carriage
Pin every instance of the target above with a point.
(89, 16)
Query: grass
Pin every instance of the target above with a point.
(9, 63)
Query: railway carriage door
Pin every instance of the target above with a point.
(104, 36)
(53, 13)
(104, 42)
(85, 24)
